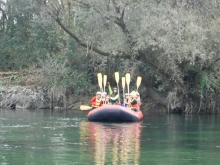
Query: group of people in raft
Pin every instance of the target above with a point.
(131, 100)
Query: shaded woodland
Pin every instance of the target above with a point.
(173, 45)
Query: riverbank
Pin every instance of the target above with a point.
(38, 97)
(29, 89)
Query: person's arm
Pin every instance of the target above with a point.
(110, 89)
(114, 98)
(93, 100)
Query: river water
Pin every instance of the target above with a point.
(46, 137)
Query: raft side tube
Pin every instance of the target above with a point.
(114, 113)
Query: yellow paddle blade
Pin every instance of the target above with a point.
(128, 78)
(117, 77)
(138, 83)
(85, 107)
(104, 80)
(100, 80)
(123, 82)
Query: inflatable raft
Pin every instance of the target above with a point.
(114, 113)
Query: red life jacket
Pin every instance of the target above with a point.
(96, 102)
(133, 105)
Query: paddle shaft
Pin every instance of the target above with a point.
(123, 87)
(118, 94)
(117, 80)
(123, 96)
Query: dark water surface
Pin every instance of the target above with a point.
(65, 138)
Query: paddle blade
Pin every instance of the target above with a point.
(85, 107)
(128, 78)
(117, 77)
(100, 80)
(138, 83)
(123, 82)
(104, 80)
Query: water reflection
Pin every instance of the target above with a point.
(112, 143)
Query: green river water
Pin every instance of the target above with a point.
(44, 137)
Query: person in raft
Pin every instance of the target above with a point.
(103, 96)
(96, 101)
(114, 97)
(133, 101)
(126, 100)
(107, 100)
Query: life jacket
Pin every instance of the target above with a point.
(96, 103)
(114, 101)
(133, 105)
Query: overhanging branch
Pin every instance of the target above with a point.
(141, 56)
(94, 48)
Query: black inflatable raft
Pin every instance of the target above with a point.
(114, 113)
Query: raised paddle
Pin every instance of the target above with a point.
(104, 81)
(128, 79)
(100, 81)
(138, 83)
(123, 87)
(85, 107)
(117, 80)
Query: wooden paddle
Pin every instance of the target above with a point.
(104, 81)
(128, 79)
(117, 80)
(85, 107)
(123, 87)
(100, 81)
(138, 83)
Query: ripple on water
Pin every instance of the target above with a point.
(15, 126)
(5, 147)
(69, 119)
(3, 119)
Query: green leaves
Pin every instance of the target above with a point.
(175, 43)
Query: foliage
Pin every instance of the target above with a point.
(175, 43)
(28, 41)
(55, 72)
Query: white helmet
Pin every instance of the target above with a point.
(133, 93)
(98, 93)
(104, 93)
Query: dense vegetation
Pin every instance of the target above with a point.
(173, 44)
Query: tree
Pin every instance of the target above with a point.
(176, 39)
(28, 42)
